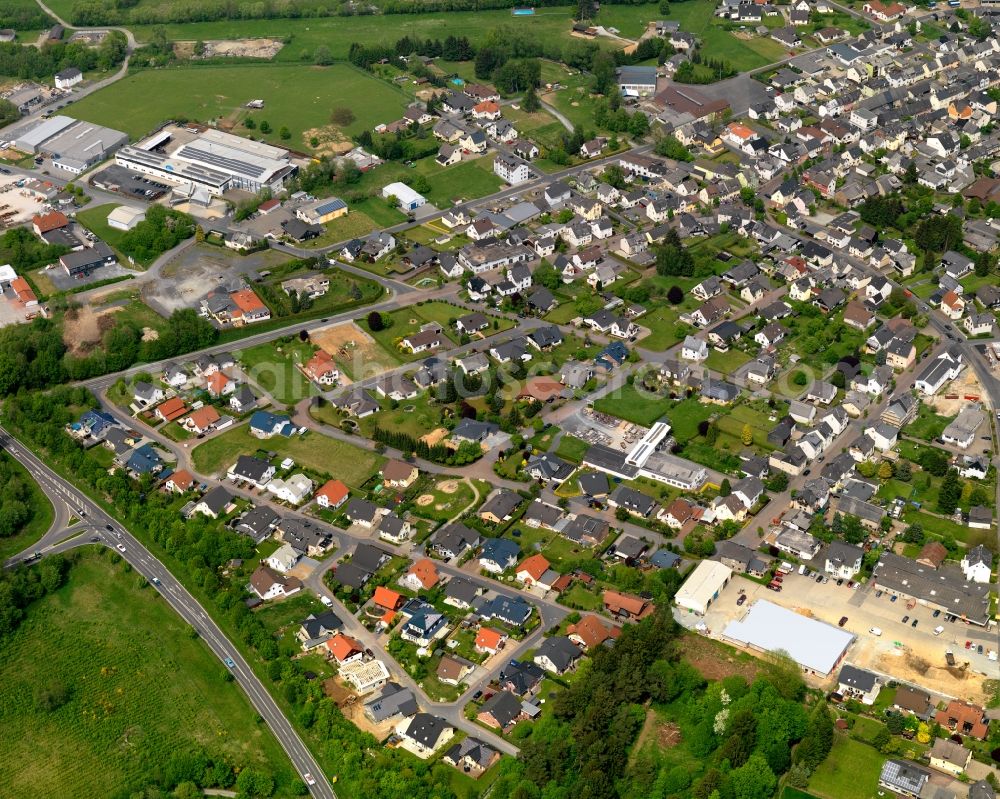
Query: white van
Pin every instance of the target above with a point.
(875, 631)
(802, 568)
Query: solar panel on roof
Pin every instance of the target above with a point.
(232, 164)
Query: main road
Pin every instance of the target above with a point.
(108, 531)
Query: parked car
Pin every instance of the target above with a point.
(819, 578)
(913, 623)
(979, 649)
(875, 631)
(742, 599)
(878, 594)
(842, 622)
(936, 613)
(892, 598)
(905, 619)
(968, 644)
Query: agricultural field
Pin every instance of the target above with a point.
(214, 94)
(313, 451)
(103, 684)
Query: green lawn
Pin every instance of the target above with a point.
(355, 225)
(272, 366)
(320, 453)
(95, 219)
(572, 448)
(144, 99)
(41, 514)
(726, 362)
(463, 181)
(928, 425)
(664, 325)
(732, 423)
(138, 688)
(627, 403)
(850, 771)
(685, 416)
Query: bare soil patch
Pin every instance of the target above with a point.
(232, 48)
(424, 500)
(950, 401)
(434, 436)
(666, 734)
(84, 327)
(715, 660)
(353, 349)
(448, 486)
(332, 140)
(911, 667)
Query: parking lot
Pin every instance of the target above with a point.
(913, 654)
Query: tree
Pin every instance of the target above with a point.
(603, 70)
(914, 534)
(726, 488)
(673, 258)
(530, 102)
(799, 378)
(285, 133)
(265, 126)
(753, 780)
(671, 147)
(885, 470)
(375, 322)
(675, 295)
(342, 116)
(322, 57)
(903, 471)
(950, 493)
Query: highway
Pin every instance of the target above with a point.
(100, 528)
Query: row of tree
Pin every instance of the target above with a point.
(37, 63)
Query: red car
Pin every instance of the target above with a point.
(774, 586)
(968, 644)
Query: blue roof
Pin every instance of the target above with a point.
(268, 422)
(144, 460)
(665, 559)
(334, 204)
(500, 550)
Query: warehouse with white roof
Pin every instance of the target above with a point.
(408, 199)
(703, 586)
(210, 159)
(73, 145)
(816, 646)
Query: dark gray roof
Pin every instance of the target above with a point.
(560, 650)
(503, 706)
(856, 678)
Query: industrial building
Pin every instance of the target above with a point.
(944, 588)
(703, 586)
(408, 199)
(816, 646)
(73, 145)
(209, 159)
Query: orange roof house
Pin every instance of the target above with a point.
(333, 494)
(216, 384)
(202, 419)
(180, 481)
(387, 598)
(532, 568)
(424, 572)
(739, 131)
(631, 607)
(43, 223)
(489, 640)
(591, 631)
(249, 307)
(542, 389)
(171, 409)
(486, 108)
(23, 291)
(321, 368)
(344, 648)
(964, 718)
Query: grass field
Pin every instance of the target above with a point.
(144, 99)
(850, 771)
(726, 362)
(320, 453)
(40, 520)
(928, 425)
(627, 403)
(276, 371)
(572, 448)
(138, 688)
(95, 219)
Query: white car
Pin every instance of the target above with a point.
(310, 779)
(875, 631)
(326, 601)
(121, 547)
(938, 630)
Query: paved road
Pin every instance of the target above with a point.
(100, 528)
